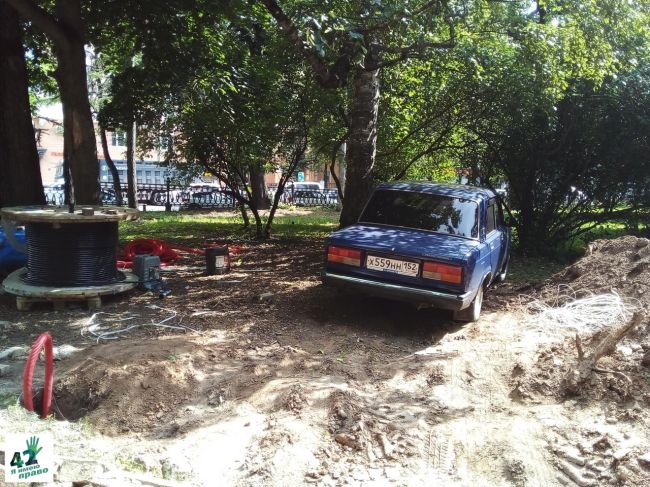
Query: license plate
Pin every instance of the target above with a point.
(402, 267)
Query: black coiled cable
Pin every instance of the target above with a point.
(72, 255)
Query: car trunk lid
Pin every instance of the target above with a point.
(407, 242)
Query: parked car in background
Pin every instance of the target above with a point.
(433, 244)
(209, 199)
(300, 186)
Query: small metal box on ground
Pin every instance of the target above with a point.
(217, 260)
(147, 268)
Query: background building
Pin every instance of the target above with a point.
(49, 142)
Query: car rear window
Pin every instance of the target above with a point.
(424, 211)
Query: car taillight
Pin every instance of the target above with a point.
(342, 255)
(442, 272)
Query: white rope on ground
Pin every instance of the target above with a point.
(588, 314)
(94, 328)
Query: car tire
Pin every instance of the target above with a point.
(501, 276)
(473, 311)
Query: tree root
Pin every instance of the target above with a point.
(578, 375)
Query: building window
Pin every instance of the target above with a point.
(118, 139)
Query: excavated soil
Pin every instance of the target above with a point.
(621, 265)
(280, 381)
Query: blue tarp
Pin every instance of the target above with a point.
(10, 258)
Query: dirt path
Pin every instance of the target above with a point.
(309, 386)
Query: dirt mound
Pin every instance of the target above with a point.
(130, 387)
(621, 265)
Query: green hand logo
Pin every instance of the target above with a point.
(32, 450)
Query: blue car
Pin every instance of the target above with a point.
(437, 245)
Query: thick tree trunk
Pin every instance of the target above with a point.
(131, 175)
(20, 175)
(66, 30)
(80, 147)
(258, 188)
(117, 185)
(362, 143)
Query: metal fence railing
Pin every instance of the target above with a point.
(322, 197)
(197, 197)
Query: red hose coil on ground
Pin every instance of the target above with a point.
(162, 249)
(43, 342)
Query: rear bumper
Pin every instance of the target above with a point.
(400, 292)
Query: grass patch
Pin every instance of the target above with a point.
(536, 269)
(132, 464)
(608, 230)
(7, 399)
(196, 227)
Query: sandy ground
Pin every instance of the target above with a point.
(284, 382)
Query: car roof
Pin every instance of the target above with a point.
(454, 190)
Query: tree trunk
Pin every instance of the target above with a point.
(362, 143)
(244, 215)
(117, 186)
(131, 175)
(297, 157)
(259, 229)
(339, 181)
(258, 188)
(20, 175)
(80, 147)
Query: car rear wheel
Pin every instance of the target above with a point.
(473, 311)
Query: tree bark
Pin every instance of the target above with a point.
(66, 30)
(362, 143)
(117, 185)
(258, 188)
(244, 215)
(131, 175)
(78, 128)
(20, 174)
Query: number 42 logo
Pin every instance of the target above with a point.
(32, 452)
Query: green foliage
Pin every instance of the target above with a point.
(551, 97)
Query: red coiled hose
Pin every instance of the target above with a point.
(43, 342)
(162, 249)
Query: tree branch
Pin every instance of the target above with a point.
(335, 151)
(327, 78)
(41, 19)
(415, 50)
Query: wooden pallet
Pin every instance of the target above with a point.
(24, 303)
(27, 294)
